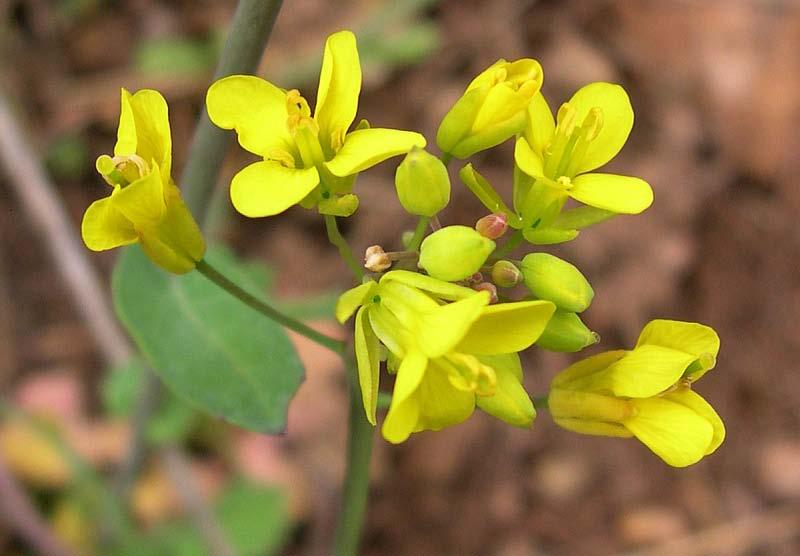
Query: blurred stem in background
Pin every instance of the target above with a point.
(247, 39)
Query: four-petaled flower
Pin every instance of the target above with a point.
(646, 392)
(145, 205)
(450, 348)
(557, 156)
(308, 160)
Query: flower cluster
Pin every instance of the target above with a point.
(440, 312)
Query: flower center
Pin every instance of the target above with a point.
(570, 142)
(467, 373)
(122, 170)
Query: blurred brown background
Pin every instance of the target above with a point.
(716, 90)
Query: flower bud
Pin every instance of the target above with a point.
(376, 259)
(566, 333)
(454, 253)
(505, 274)
(556, 280)
(492, 109)
(492, 226)
(422, 183)
(487, 287)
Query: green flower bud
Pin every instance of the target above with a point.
(422, 183)
(505, 274)
(556, 280)
(566, 333)
(454, 253)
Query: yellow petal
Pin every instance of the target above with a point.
(339, 87)
(594, 428)
(142, 202)
(617, 121)
(439, 288)
(389, 331)
(144, 129)
(695, 402)
(353, 298)
(675, 433)
(365, 148)
(440, 403)
(368, 358)
(267, 188)
(401, 420)
(691, 337)
(579, 375)
(528, 160)
(104, 227)
(510, 401)
(646, 371)
(507, 327)
(255, 108)
(620, 194)
(441, 329)
(126, 132)
(541, 124)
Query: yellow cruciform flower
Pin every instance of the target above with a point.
(556, 158)
(308, 160)
(646, 392)
(455, 351)
(145, 205)
(492, 109)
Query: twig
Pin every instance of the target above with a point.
(740, 536)
(181, 476)
(249, 32)
(38, 198)
(18, 510)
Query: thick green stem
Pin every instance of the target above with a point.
(338, 240)
(356, 482)
(267, 310)
(513, 241)
(249, 32)
(419, 233)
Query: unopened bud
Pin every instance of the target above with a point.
(506, 274)
(566, 333)
(556, 280)
(492, 226)
(454, 253)
(376, 259)
(476, 278)
(487, 287)
(422, 183)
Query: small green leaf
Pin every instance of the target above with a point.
(207, 346)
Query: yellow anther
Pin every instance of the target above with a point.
(296, 104)
(593, 123)
(282, 156)
(564, 182)
(566, 119)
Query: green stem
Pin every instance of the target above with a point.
(513, 241)
(541, 402)
(446, 158)
(356, 482)
(419, 233)
(336, 238)
(249, 32)
(267, 310)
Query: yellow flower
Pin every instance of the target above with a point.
(145, 205)
(646, 392)
(556, 158)
(451, 350)
(492, 109)
(308, 160)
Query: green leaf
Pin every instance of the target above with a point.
(254, 518)
(207, 346)
(175, 55)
